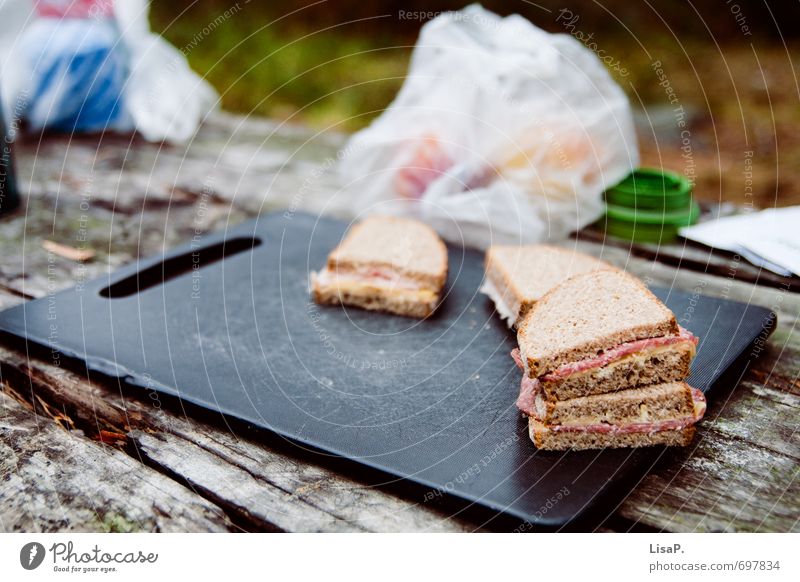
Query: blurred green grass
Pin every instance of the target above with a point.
(331, 73)
(322, 71)
(324, 78)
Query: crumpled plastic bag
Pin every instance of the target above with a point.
(166, 99)
(71, 76)
(94, 65)
(501, 133)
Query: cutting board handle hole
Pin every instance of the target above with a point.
(173, 267)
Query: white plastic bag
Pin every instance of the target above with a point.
(501, 133)
(165, 98)
(94, 65)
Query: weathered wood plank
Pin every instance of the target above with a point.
(352, 504)
(296, 496)
(9, 298)
(260, 488)
(256, 502)
(54, 480)
(719, 484)
(696, 257)
(248, 161)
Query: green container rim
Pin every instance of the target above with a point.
(653, 183)
(631, 200)
(684, 217)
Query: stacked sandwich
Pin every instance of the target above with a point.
(603, 363)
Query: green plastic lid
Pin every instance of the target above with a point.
(648, 226)
(650, 205)
(649, 188)
(682, 217)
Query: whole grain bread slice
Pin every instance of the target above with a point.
(400, 302)
(549, 440)
(587, 314)
(653, 403)
(405, 246)
(518, 276)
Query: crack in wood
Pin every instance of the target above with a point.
(241, 519)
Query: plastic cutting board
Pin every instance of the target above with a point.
(227, 324)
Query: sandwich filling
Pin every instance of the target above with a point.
(531, 400)
(619, 352)
(380, 278)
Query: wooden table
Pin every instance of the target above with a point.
(81, 453)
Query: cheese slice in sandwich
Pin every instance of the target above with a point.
(385, 263)
(602, 332)
(518, 276)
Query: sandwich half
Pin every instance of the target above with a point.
(659, 414)
(385, 263)
(603, 365)
(601, 332)
(663, 414)
(518, 276)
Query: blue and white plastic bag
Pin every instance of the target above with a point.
(94, 65)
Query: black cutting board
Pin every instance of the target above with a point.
(230, 327)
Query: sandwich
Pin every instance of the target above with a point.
(603, 365)
(518, 276)
(676, 408)
(385, 263)
(660, 414)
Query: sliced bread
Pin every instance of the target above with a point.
(518, 276)
(548, 440)
(409, 247)
(639, 405)
(587, 314)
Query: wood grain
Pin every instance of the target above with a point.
(55, 481)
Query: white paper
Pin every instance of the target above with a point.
(769, 238)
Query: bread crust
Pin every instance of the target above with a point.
(501, 283)
(551, 265)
